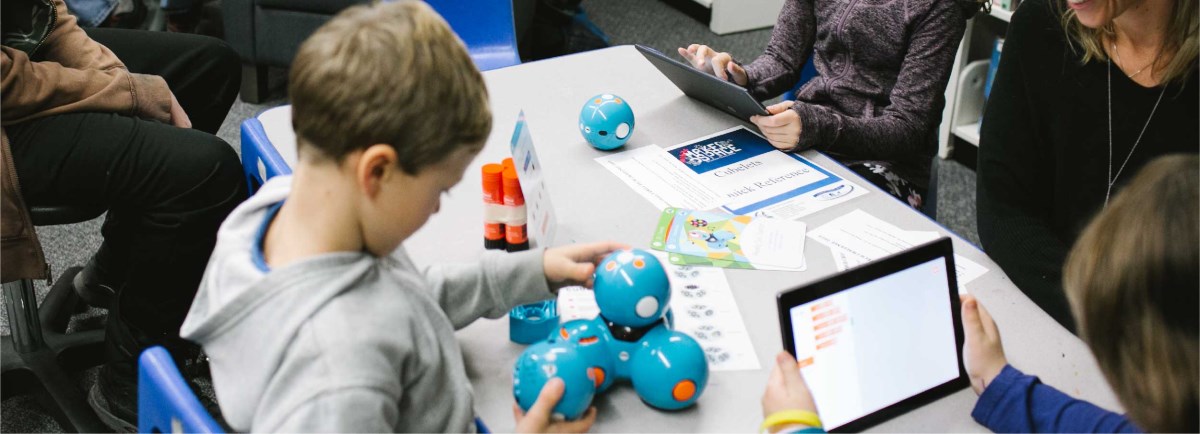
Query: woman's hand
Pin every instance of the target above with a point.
(983, 352)
(539, 417)
(706, 59)
(782, 127)
(574, 264)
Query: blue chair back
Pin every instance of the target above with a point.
(165, 403)
(486, 26)
(260, 160)
(808, 73)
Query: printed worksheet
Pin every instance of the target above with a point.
(858, 237)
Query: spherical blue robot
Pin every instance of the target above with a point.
(545, 360)
(630, 339)
(606, 121)
(632, 288)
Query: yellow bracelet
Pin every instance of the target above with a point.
(803, 417)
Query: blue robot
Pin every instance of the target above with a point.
(606, 121)
(632, 339)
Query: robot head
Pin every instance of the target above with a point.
(606, 121)
(631, 288)
(545, 360)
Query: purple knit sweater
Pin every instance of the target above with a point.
(883, 68)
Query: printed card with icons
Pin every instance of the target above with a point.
(716, 239)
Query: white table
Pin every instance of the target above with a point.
(594, 205)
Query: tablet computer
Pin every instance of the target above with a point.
(878, 340)
(725, 96)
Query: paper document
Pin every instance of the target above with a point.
(542, 222)
(736, 170)
(728, 241)
(703, 307)
(858, 237)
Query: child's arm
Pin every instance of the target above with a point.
(1015, 402)
(1010, 401)
(787, 404)
(501, 281)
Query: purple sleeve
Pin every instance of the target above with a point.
(901, 128)
(778, 68)
(1015, 402)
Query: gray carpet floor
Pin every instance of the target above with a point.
(647, 22)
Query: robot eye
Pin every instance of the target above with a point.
(587, 129)
(603, 133)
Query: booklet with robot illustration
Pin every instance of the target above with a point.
(730, 241)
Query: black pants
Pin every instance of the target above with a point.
(167, 189)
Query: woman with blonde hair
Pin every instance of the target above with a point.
(1133, 281)
(1087, 92)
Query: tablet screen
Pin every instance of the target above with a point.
(877, 343)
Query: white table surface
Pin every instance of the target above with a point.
(594, 205)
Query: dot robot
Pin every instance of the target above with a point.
(632, 339)
(606, 121)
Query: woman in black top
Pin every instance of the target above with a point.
(1085, 94)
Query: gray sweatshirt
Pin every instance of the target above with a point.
(346, 341)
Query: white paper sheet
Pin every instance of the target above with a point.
(858, 237)
(703, 306)
(542, 222)
(735, 170)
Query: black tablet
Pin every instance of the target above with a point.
(878, 340)
(726, 96)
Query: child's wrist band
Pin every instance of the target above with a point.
(801, 417)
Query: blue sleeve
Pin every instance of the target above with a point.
(1015, 402)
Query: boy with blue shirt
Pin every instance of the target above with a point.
(314, 319)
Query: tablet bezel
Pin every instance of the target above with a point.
(720, 94)
(940, 248)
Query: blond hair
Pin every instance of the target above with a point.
(1180, 42)
(1133, 280)
(390, 73)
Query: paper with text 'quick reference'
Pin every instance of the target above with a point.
(858, 237)
(735, 170)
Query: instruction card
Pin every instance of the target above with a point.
(542, 223)
(730, 241)
(703, 307)
(735, 170)
(858, 237)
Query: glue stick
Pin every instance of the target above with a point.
(494, 211)
(515, 234)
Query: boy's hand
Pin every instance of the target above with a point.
(538, 418)
(574, 264)
(786, 389)
(983, 352)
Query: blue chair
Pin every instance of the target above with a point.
(486, 27)
(260, 158)
(165, 402)
(808, 73)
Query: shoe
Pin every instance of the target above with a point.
(92, 286)
(114, 396)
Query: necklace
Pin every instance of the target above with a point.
(1111, 178)
(1118, 56)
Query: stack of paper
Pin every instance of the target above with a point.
(857, 238)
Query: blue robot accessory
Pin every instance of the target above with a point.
(554, 358)
(632, 288)
(606, 121)
(631, 339)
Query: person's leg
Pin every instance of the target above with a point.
(171, 188)
(887, 180)
(203, 72)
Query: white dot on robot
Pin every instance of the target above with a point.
(624, 356)
(607, 96)
(622, 130)
(647, 306)
(625, 257)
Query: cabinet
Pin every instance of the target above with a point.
(729, 16)
(964, 94)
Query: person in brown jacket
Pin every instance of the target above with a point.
(123, 120)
